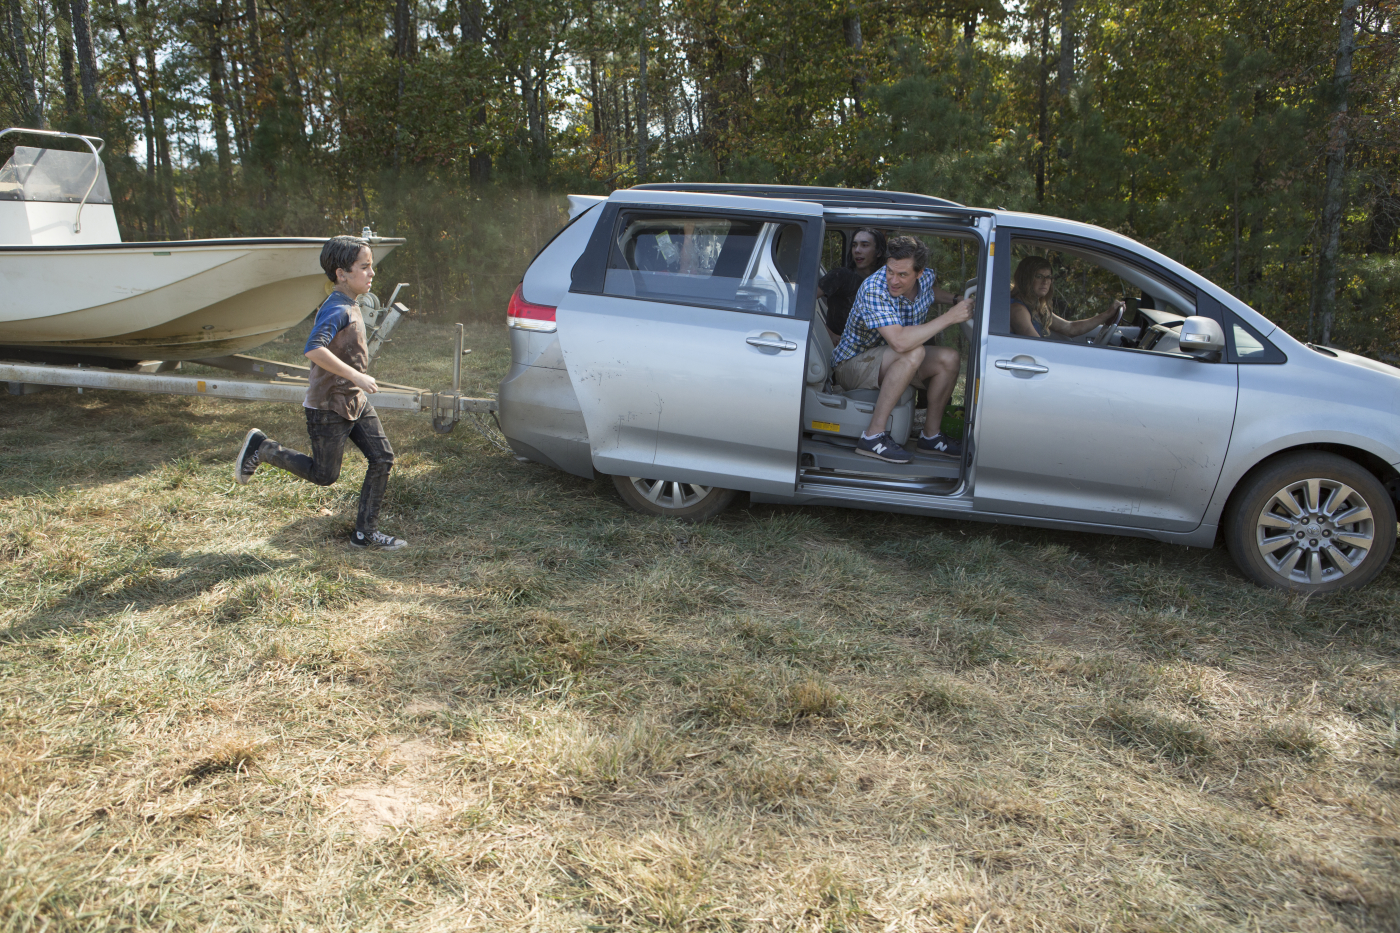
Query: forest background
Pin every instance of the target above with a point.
(1256, 141)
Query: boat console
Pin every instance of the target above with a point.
(54, 197)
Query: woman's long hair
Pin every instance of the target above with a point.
(882, 251)
(1023, 290)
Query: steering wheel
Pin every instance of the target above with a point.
(1108, 328)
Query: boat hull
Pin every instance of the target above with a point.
(179, 300)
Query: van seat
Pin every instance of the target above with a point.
(846, 412)
(830, 409)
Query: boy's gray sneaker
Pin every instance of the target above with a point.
(247, 463)
(376, 541)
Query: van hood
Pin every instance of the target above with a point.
(1357, 360)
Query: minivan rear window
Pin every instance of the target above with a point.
(701, 260)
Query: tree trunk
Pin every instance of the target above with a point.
(87, 61)
(293, 78)
(642, 98)
(147, 124)
(143, 102)
(14, 21)
(403, 44)
(850, 29)
(1235, 212)
(597, 101)
(71, 99)
(473, 35)
(1068, 47)
(712, 116)
(626, 120)
(238, 110)
(1385, 221)
(668, 119)
(253, 32)
(403, 30)
(165, 173)
(1324, 299)
(218, 105)
(1044, 125)
(534, 88)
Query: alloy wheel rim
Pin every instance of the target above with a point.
(1315, 531)
(669, 494)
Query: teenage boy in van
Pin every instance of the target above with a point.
(883, 348)
(337, 398)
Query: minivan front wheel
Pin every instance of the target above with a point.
(1311, 522)
(688, 502)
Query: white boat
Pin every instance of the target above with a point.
(69, 287)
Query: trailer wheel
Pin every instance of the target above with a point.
(688, 502)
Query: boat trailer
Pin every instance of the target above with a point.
(280, 382)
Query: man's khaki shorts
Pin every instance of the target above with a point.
(861, 371)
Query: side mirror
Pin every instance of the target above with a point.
(1202, 338)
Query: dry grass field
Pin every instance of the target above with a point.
(554, 714)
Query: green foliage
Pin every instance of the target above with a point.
(942, 139)
(1201, 131)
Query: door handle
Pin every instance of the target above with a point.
(1016, 367)
(771, 342)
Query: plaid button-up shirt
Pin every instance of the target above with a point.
(875, 307)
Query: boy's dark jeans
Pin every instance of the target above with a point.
(328, 432)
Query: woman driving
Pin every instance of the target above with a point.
(1032, 294)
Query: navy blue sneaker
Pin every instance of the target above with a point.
(246, 463)
(883, 447)
(376, 541)
(940, 444)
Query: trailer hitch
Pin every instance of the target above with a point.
(446, 407)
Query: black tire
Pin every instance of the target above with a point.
(688, 502)
(1282, 531)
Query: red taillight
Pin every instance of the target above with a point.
(527, 316)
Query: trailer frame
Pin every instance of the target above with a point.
(282, 382)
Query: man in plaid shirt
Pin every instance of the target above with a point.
(883, 347)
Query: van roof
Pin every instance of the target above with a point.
(827, 197)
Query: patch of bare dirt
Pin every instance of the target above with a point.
(375, 810)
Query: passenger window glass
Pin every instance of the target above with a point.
(1247, 349)
(1074, 296)
(733, 263)
(833, 249)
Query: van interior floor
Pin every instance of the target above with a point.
(832, 457)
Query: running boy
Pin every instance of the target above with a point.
(337, 404)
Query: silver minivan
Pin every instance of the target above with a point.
(671, 337)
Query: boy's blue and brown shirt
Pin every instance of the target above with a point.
(339, 328)
(875, 307)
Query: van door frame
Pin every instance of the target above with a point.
(979, 227)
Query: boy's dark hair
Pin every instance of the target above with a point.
(340, 252)
(881, 247)
(909, 247)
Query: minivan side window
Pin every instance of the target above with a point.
(1071, 294)
(735, 263)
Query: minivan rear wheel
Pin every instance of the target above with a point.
(1311, 522)
(688, 502)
